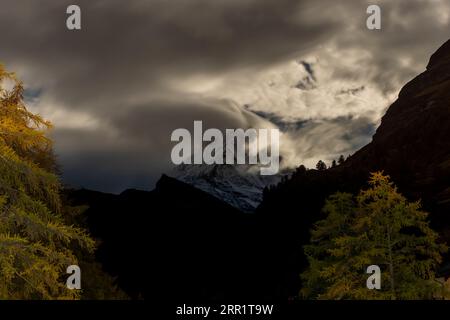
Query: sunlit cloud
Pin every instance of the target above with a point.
(136, 72)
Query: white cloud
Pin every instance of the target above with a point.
(64, 117)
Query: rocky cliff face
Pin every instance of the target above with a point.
(412, 143)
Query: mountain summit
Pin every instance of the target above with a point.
(238, 185)
(208, 250)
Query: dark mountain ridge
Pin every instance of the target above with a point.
(174, 240)
(199, 248)
(412, 145)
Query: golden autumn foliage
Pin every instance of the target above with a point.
(35, 239)
(377, 227)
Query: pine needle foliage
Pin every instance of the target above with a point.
(35, 240)
(377, 227)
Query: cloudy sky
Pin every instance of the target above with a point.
(137, 70)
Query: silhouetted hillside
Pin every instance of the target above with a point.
(180, 240)
(412, 145)
(204, 250)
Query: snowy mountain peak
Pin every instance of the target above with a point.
(239, 185)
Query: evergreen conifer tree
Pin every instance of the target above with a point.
(378, 227)
(35, 240)
(321, 165)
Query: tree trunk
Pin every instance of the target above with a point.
(391, 263)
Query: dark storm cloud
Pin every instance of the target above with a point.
(123, 57)
(137, 147)
(411, 31)
(121, 79)
(127, 49)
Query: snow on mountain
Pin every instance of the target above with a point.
(239, 185)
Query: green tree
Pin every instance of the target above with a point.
(35, 240)
(341, 159)
(321, 165)
(377, 227)
(333, 164)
